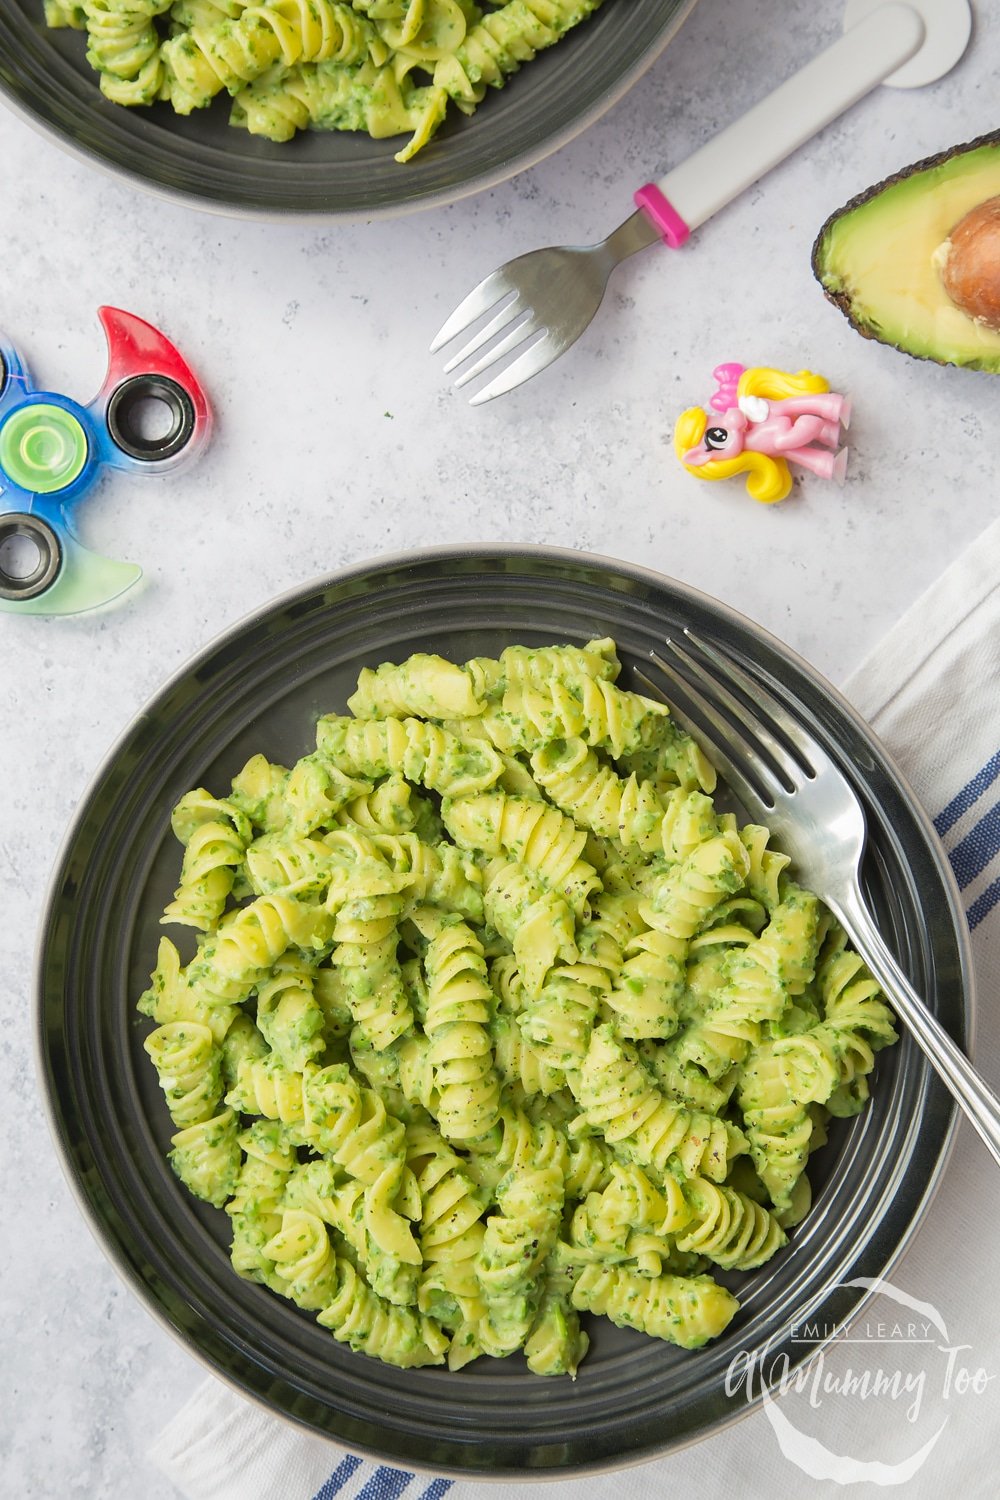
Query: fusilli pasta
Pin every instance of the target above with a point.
(492, 1019)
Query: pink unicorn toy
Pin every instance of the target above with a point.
(769, 419)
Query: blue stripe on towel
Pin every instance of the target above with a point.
(385, 1484)
(969, 794)
(436, 1489)
(338, 1478)
(984, 904)
(972, 854)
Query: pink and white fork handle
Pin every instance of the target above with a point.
(887, 37)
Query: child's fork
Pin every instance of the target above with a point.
(787, 781)
(541, 302)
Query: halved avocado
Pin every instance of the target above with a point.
(885, 258)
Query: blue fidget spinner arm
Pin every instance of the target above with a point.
(52, 451)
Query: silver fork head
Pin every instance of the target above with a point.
(540, 304)
(774, 765)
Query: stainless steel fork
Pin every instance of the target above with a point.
(540, 303)
(787, 781)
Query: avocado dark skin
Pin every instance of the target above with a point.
(887, 260)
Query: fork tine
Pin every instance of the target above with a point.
(750, 718)
(508, 313)
(814, 757)
(491, 290)
(535, 358)
(715, 749)
(517, 335)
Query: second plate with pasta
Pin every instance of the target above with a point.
(200, 158)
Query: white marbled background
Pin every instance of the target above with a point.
(338, 439)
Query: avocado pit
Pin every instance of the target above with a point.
(969, 264)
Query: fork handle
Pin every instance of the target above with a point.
(800, 107)
(973, 1095)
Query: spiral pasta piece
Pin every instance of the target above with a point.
(762, 978)
(304, 1261)
(289, 1017)
(689, 819)
(628, 811)
(426, 687)
(264, 1087)
(776, 1119)
(248, 942)
(684, 1310)
(596, 711)
(614, 919)
(632, 1202)
(617, 1096)
(123, 46)
(504, 39)
(520, 1064)
(441, 876)
(683, 1084)
(766, 866)
(170, 997)
(358, 1317)
(729, 1228)
(188, 1065)
(258, 790)
(671, 759)
(451, 1231)
(558, 1023)
(528, 832)
(242, 1042)
(517, 1242)
(352, 1127)
(206, 1157)
(314, 1186)
(855, 1019)
(388, 808)
(459, 1001)
(293, 866)
(679, 902)
(365, 954)
(556, 1343)
(643, 1001)
(537, 923)
(421, 752)
(416, 1072)
(203, 61)
(215, 836)
(537, 666)
(268, 1162)
(60, 13)
(314, 794)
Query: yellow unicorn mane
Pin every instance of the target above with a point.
(768, 479)
(779, 385)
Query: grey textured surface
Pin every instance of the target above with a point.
(338, 439)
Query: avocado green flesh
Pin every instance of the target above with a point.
(879, 259)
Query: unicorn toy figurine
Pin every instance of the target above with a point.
(767, 420)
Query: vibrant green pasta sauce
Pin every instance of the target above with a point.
(494, 1019)
(384, 67)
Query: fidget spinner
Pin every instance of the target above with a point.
(52, 451)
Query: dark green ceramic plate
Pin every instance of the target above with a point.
(204, 161)
(261, 688)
